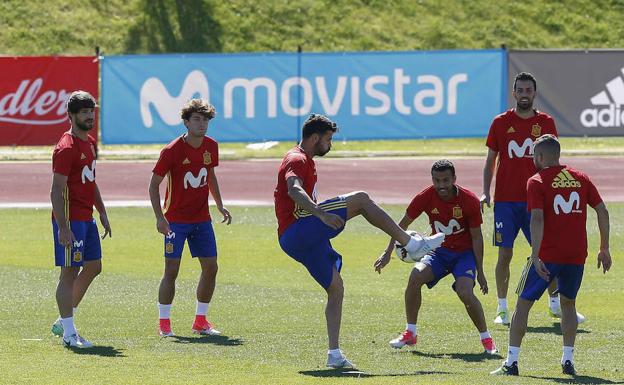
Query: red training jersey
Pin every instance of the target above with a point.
(512, 137)
(187, 170)
(295, 163)
(75, 158)
(563, 193)
(454, 218)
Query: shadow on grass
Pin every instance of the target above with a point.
(102, 351)
(358, 374)
(577, 380)
(554, 329)
(468, 357)
(214, 340)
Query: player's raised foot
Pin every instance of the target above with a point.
(504, 370)
(406, 338)
(164, 328)
(57, 328)
(557, 314)
(431, 243)
(502, 317)
(568, 368)
(75, 341)
(339, 362)
(205, 328)
(489, 345)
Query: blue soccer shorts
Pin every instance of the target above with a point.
(509, 219)
(307, 241)
(568, 276)
(86, 246)
(200, 237)
(444, 262)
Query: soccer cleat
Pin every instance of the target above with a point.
(205, 329)
(75, 341)
(406, 338)
(557, 314)
(57, 328)
(164, 328)
(431, 243)
(502, 317)
(489, 345)
(504, 370)
(339, 362)
(568, 368)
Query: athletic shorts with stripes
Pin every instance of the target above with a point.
(307, 241)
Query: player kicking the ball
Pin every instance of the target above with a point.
(305, 227)
(455, 212)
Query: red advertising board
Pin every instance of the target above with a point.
(33, 95)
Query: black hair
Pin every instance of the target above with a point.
(525, 76)
(317, 124)
(443, 165)
(79, 100)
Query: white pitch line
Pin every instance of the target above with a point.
(126, 203)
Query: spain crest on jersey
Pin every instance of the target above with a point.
(77, 256)
(207, 158)
(457, 212)
(536, 130)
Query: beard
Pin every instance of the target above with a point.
(319, 151)
(524, 105)
(84, 126)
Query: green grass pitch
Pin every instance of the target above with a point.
(271, 312)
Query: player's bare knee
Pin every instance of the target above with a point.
(171, 273)
(335, 290)
(93, 269)
(465, 294)
(358, 198)
(415, 282)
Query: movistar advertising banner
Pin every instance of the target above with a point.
(261, 97)
(582, 90)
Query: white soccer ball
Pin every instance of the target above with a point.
(404, 255)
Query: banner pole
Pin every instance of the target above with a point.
(298, 129)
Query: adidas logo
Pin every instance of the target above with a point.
(511, 130)
(565, 180)
(83, 156)
(435, 211)
(186, 161)
(612, 99)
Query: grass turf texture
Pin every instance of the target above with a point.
(271, 312)
(459, 147)
(143, 26)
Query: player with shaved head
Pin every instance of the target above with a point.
(558, 197)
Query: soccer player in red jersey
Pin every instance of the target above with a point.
(189, 163)
(558, 197)
(73, 194)
(454, 211)
(510, 140)
(306, 227)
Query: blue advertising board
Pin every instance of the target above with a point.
(258, 97)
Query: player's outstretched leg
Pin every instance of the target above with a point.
(359, 203)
